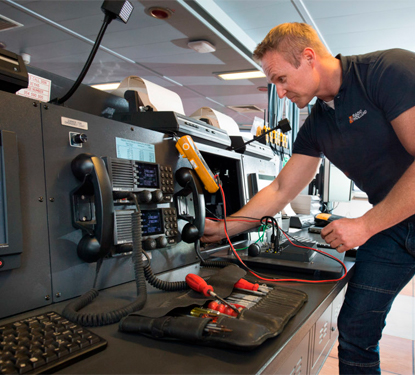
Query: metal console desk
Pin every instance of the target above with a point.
(302, 346)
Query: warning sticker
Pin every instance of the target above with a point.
(38, 89)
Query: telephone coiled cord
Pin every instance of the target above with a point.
(168, 286)
(71, 311)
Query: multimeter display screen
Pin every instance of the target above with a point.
(147, 175)
(152, 222)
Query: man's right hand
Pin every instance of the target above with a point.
(213, 232)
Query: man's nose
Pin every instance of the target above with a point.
(281, 92)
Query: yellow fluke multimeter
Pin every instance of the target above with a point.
(188, 149)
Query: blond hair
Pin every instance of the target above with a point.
(291, 39)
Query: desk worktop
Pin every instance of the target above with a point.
(132, 353)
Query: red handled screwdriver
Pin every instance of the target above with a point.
(244, 284)
(199, 285)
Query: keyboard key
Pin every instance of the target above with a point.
(37, 361)
(23, 368)
(50, 356)
(9, 370)
(82, 343)
(92, 338)
(5, 355)
(61, 351)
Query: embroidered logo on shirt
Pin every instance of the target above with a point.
(356, 116)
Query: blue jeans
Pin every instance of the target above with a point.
(384, 265)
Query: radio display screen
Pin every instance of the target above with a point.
(147, 175)
(152, 222)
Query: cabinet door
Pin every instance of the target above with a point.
(296, 363)
(321, 336)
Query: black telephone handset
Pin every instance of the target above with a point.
(188, 179)
(97, 239)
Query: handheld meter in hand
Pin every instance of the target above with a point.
(188, 149)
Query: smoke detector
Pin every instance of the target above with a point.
(26, 58)
(201, 46)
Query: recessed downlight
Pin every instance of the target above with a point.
(106, 86)
(246, 74)
(159, 12)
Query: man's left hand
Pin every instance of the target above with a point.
(345, 234)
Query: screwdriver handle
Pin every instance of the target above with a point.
(198, 284)
(231, 312)
(243, 284)
(223, 308)
(216, 306)
(224, 302)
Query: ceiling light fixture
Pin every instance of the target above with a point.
(106, 86)
(201, 46)
(159, 12)
(247, 74)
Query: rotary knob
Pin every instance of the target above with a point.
(161, 241)
(80, 138)
(144, 196)
(149, 244)
(157, 196)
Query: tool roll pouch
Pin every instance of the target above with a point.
(251, 328)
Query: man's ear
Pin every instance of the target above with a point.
(309, 55)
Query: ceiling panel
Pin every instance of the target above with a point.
(356, 27)
(61, 10)
(369, 41)
(320, 9)
(260, 16)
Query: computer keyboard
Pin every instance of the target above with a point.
(44, 344)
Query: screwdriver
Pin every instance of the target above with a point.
(198, 311)
(199, 285)
(244, 284)
(256, 289)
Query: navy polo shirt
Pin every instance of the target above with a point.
(357, 137)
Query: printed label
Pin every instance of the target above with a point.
(134, 150)
(66, 121)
